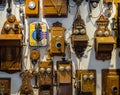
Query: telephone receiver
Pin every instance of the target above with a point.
(118, 38)
(94, 3)
(35, 79)
(38, 29)
(79, 88)
(78, 2)
(9, 6)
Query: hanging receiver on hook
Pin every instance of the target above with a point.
(34, 56)
(93, 3)
(9, 6)
(78, 2)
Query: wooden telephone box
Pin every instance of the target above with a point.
(26, 87)
(110, 82)
(5, 86)
(45, 78)
(11, 46)
(85, 82)
(32, 8)
(57, 44)
(79, 37)
(64, 77)
(104, 42)
(55, 8)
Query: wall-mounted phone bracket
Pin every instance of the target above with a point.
(85, 82)
(26, 87)
(5, 86)
(45, 78)
(104, 42)
(55, 8)
(79, 38)
(32, 8)
(11, 46)
(111, 82)
(57, 44)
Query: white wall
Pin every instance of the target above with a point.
(88, 62)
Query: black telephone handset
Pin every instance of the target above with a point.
(78, 2)
(118, 38)
(9, 6)
(36, 80)
(38, 28)
(94, 3)
(79, 88)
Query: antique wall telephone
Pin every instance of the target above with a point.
(104, 42)
(79, 38)
(32, 8)
(45, 78)
(11, 45)
(85, 82)
(26, 87)
(55, 8)
(110, 82)
(57, 43)
(38, 34)
(5, 86)
(64, 77)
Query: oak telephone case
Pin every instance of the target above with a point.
(104, 42)
(32, 8)
(85, 82)
(57, 43)
(45, 78)
(64, 77)
(11, 46)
